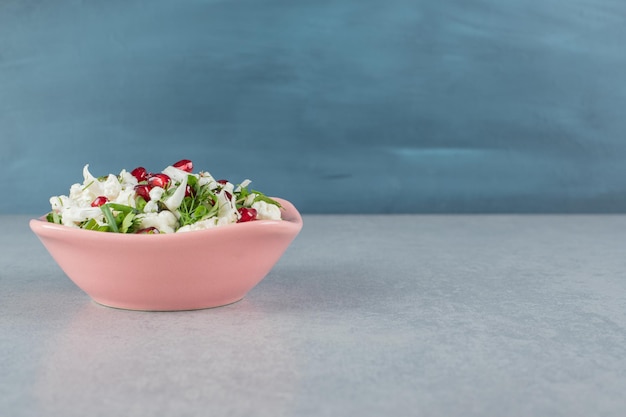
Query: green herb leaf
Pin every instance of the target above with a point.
(192, 181)
(200, 212)
(92, 224)
(53, 217)
(123, 208)
(200, 206)
(108, 215)
(262, 197)
(140, 203)
(128, 222)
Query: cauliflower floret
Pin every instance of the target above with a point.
(73, 215)
(227, 208)
(126, 197)
(176, 174)
(156, 193)
(79, 195)
(266, 211)
(243, 184)
(165, 221)
(249, 200)
(92, 187)
(111, 187)
(200, 225)
(127, 179)
(174, 201)
(151, 207)
(206, 178)
(58, 203)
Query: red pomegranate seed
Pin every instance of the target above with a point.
(184, 165)
(99, 201)
(189, 191)
(143, 191)
(148, 231)
(140, 173)
(159, 180)
(247, 214)
(223, 182)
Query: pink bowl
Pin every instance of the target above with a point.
(185, 271)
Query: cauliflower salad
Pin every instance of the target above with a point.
(172, 201)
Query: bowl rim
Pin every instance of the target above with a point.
(291, 222)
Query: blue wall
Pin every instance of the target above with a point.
(339, 106)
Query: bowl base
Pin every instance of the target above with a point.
(157, 309)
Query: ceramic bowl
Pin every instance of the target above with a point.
(179, 271)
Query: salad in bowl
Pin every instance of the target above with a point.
(165, 241)
(171, 201)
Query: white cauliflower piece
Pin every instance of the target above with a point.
(177, 175)
(73, 215)
(126, 197)
(206, 178)
(165, 221)
(156, 193)
(266, 211)
(175, 200)
(127, 179)
(200, 225)
(111, 187)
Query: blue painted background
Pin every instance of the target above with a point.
(340, 106)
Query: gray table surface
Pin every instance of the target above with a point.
(363, 316)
